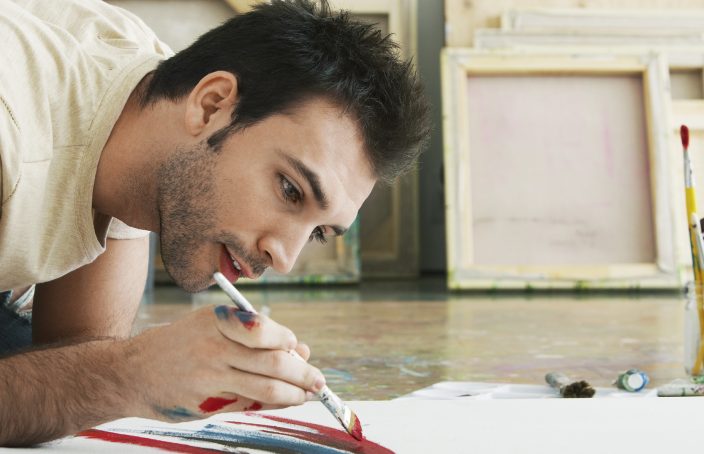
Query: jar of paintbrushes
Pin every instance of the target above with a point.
(693, 322)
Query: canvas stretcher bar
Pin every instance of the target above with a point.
(488, 38)
(600, 19)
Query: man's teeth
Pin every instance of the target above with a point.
(235, 264)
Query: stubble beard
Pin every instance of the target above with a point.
(186, 204)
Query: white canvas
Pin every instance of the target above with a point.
(463, 426)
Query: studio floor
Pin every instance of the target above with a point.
(382, 340)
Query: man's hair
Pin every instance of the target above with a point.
(286, 52)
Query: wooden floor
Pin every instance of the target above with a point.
(383, 340)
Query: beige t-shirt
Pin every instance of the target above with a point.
(68, 68)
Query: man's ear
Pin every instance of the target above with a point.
(210, 103)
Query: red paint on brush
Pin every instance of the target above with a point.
(321, 435)
(356, 431)
(254, 407)
(684, 135)
(212, 404)
(142, 441)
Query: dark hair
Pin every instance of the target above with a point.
(288, 51)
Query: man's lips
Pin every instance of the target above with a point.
(227, 268)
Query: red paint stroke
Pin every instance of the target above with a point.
(142, 441)
(212, 404)
(254, 407)
(322, 435)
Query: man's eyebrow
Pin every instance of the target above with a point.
(311, 177)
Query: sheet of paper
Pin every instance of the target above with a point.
(419, 426)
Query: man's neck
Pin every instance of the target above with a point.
(125, 182)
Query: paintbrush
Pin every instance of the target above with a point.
(567, 388)
(695, 243)
(334, 404)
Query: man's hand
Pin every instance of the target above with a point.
(215, 359)
(218, 359)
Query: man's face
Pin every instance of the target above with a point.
(270, 189)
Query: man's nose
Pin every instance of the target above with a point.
(284, 249)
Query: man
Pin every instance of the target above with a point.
(268, 132)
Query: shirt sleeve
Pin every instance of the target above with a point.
(118, 230)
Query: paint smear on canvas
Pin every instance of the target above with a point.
(274, 435)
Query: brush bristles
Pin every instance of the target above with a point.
(354, 428)
(684, 135)
(577, 389)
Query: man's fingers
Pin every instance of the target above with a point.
(303, 350)
(265, 390)
(277, 364)
(253, 330)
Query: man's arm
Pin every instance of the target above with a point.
(50, 393)
(97, 300)
(164, 373)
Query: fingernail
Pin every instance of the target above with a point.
(248, 319)
(222, 312)
(319, 383)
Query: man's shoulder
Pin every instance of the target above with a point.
(94, 20)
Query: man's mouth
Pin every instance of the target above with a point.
(229, 266)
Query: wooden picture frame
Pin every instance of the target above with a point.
(465, 271)
(597, 20)
(389, 227)
(490, 38)
(685, 62)
(462, 18)
(176, 22)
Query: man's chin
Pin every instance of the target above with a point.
(190, 283)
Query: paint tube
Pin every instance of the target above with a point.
(633, 380)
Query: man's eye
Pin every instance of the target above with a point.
(318, 235)
(289, 191)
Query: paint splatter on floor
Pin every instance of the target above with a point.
(273, 435)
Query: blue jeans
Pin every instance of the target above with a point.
(15, 331)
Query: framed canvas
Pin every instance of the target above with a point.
(389, 218)
(462, 18)
(686, 91)
(490, 38)
(550, 183)
(662, 19)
